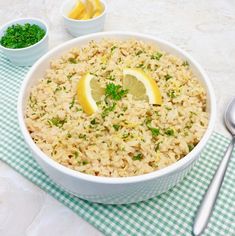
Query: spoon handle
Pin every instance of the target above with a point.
(209, 199)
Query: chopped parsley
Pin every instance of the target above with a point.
(93, 122)
(167, 77)
(139, 52)
(185, 63)
(72, 103)
(22, 36)
(115, 91)
(69, 135)
(156, 148)
(116, 127)
(141, 65)
(72, 60)
(33, 101)
(56, 121)
(111, 77)
(57, 89)
(190, 147)
(171, 94)
(85, 162)
(126, 135)
(137, 157)
(113, 48)
(49, 81)
(82, 136)
(155, 131)
(108, 109)
(169, 132)
(156, 56)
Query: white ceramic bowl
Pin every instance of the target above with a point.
(81, 27)
(105, 189)
(26, 56)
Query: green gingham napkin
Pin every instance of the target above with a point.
(170, 213)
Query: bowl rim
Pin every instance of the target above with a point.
(88, 20)
(10, 23)
(182, 163)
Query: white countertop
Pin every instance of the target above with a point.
(205, 29)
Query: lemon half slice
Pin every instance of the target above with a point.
(141, 86)
(89, 92)
(77, 10)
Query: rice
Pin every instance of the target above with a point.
(121, 143)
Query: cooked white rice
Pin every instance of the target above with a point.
(91, 144)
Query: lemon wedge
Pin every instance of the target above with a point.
(89, 92)
(77, 10)
(97, 7)
(141, 86)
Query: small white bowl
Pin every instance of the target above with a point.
(81, 27)
(28, 55)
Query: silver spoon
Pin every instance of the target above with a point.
(210, 197)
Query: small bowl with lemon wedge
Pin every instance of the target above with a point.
(83, 16)
(116, 117)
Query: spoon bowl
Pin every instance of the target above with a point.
(229, 117)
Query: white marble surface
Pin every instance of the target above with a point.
(206, 29)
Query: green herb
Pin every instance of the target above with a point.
(84, 162)
(76, 154)
(141, 65)
(113, 48)
(78, 109)
(190, 147)
(171, 94)
(57, 89)
(72, 103)
(124, 136)
(157, 147)
(116, 127)
(111, 77)
(69, 135)
(138, 157)
(189, 124)
(167, 77)
(48, 81)
(108, 109)
(185, 63)
(155, 131)
(139, 52)
(156, 56)
(193, 113)
(72, 60)
(82, 136)
(125, 108)
(33, 101)
(168, 108)
(21, 36)
(93, 122)
(169, 132)
(115, 91)
(56, 121)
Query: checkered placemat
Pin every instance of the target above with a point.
(169, 214)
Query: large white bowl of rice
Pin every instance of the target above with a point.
(128, 148)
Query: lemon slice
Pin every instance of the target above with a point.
(89, 92)
(77, 10)
(141, 86)
(97, 7)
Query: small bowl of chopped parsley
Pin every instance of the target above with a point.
(24, 40)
